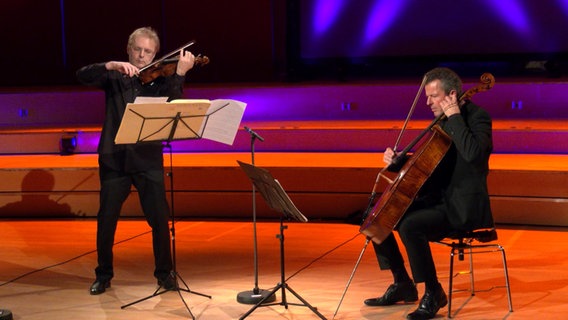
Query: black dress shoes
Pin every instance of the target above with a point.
(99, 286)
(398, 291)
(429, 305)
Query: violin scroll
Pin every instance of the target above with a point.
(201, 60)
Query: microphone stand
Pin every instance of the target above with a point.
(255, 295)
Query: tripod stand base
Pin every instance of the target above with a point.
(5, 314)
(177, 289)
(250, 297)
(283, 286)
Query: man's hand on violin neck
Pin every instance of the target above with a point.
(185, 63)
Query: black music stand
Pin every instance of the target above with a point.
(167, 122)
(278, 200)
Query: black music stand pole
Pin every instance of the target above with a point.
(255, 295)
(167, 127)
(277, 199)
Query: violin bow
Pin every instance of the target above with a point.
(168, 55)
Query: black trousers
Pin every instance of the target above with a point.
(115, 188)
(416, 229)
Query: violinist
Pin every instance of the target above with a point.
(141, 164)
(453, 199)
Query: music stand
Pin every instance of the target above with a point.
(277, 199)
(180, 120)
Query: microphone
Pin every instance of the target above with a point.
(254, 134)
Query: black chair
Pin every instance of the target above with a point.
(474, 242)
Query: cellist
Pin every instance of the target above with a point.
(453, 199)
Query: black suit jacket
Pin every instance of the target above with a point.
(464, 191)
(119, 91)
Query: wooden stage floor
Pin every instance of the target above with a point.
(46, 267)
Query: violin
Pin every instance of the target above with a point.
(166, 66)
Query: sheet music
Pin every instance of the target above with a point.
(287, 203)
(152, 119)
(224, 120)
(151, 100)
(192, 101)
(272, 191)
(192, 123)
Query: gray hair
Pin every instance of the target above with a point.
(448, 79)
(146, 32)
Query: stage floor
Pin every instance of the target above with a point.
(47, 266)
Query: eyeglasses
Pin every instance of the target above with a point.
(139, 50)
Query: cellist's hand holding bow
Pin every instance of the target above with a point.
(394, 160)
(388, 155)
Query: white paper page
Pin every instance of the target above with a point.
(150, 99)
(224, 120)
(199, 107)
(192, 101)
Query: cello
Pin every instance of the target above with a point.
(380, 218)
(414, 172)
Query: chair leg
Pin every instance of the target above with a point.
(459, 249)
(471, 277)
(451, 281)
(506, 270)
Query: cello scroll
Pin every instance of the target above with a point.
(486, 82)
